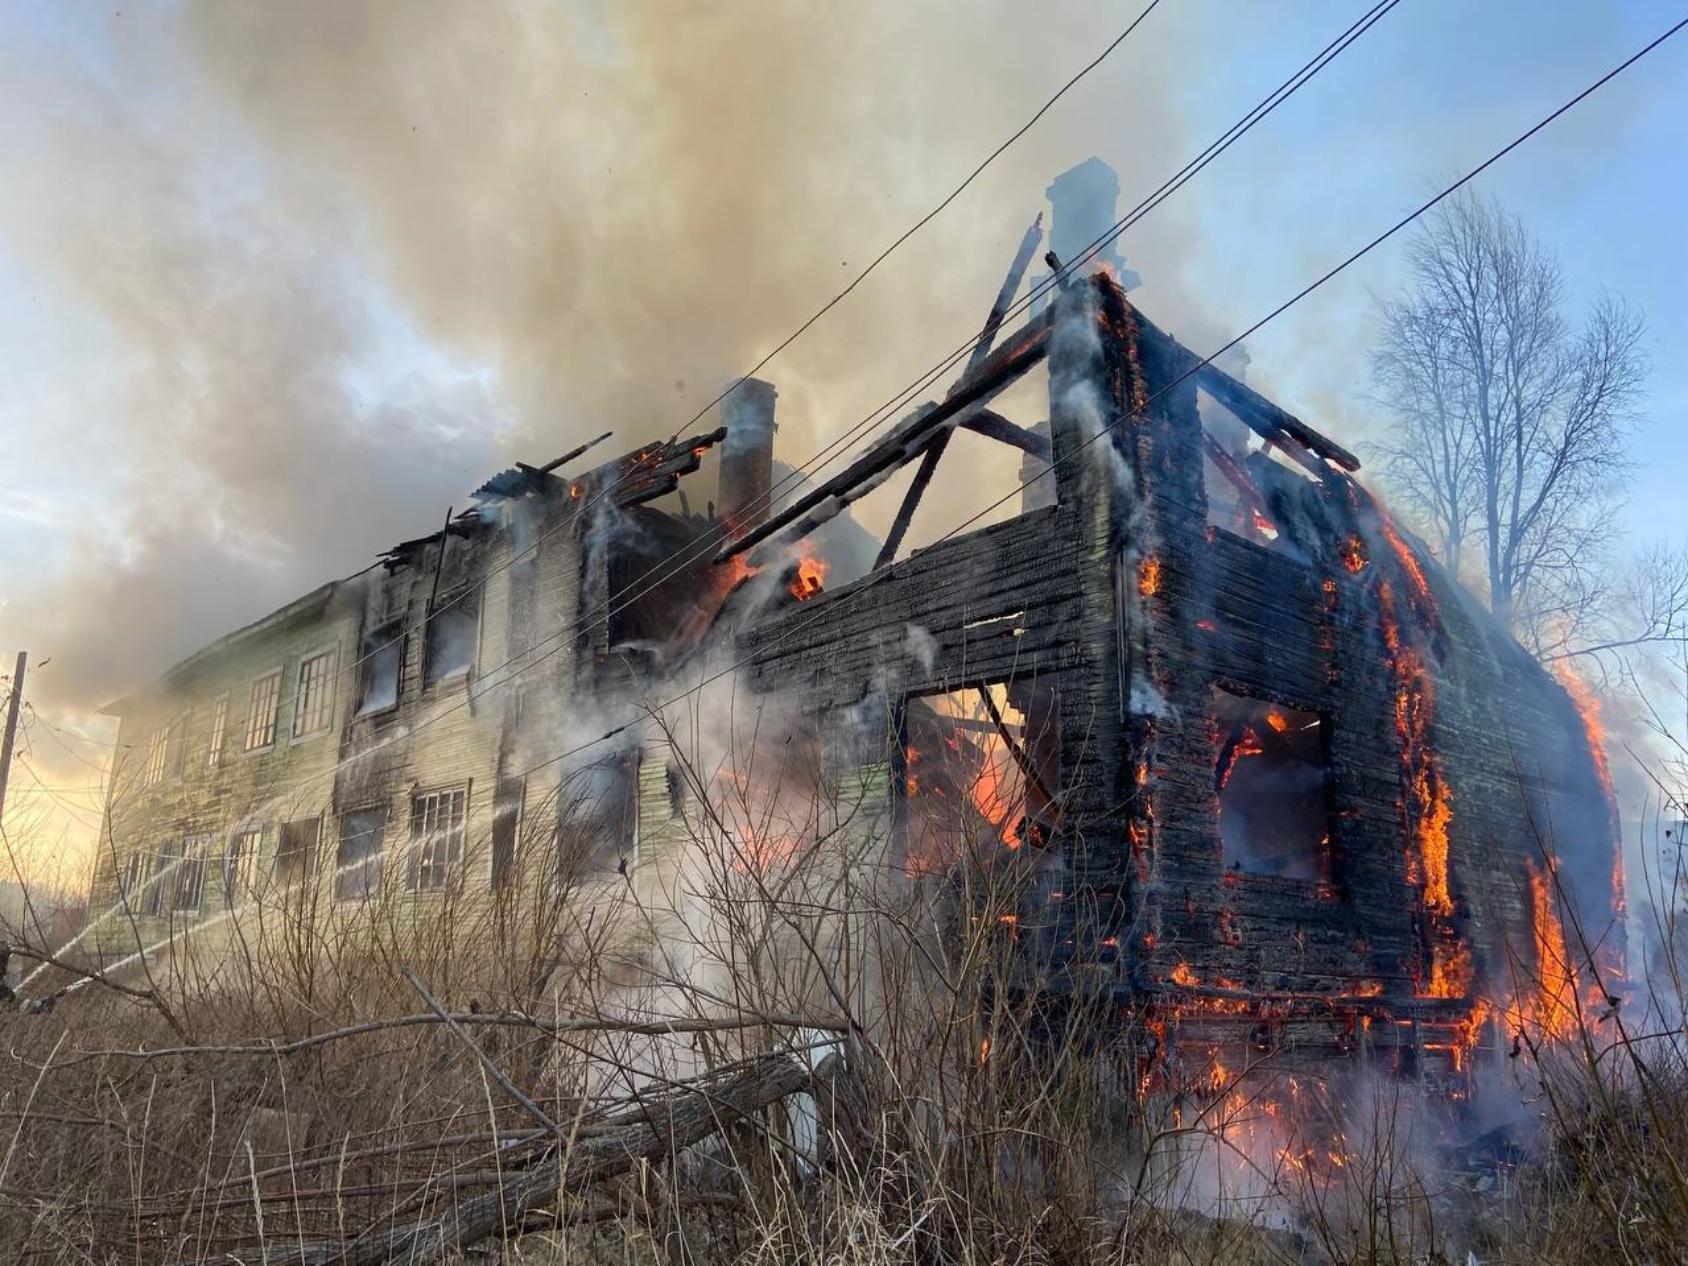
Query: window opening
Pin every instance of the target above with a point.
(261, 715)
(378, 681)
(357, 862)
(981, 772)
(1270, 776)
(190, 873)
(295, 854)
(437, 822)
(313, 701)
(449, 647)
(219, 730)
(240, 865)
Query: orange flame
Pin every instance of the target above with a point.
(809, 577)
(1587, 704)
(1182, 975)
(1556, 1006)
(1149, 576)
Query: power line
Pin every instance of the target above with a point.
(825, 308)
(1276, 312)
(706, 541)
(1273, 99)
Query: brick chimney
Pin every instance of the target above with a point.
(1083, 206)
(747, 454)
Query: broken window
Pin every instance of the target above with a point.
(449, 646)
(1238, 469)
(598, 817)
(240, 865)
(261, 713)
(190, 873)
(295, 854)
(1270, 777)
(378, 682)
(981, 771)
(506, 828)
(313, 700)
(357, 864)
(437, 828)
(219, 730)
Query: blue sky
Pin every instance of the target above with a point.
(279, 282)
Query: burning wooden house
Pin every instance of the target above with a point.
(1289, 786)
(1274, 778)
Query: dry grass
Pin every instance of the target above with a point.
(956, 1122)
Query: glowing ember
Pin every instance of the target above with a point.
(1182, 975)
(1587, 704)
(1431, 801)
(806, 582)
(1556, 1008)
(1149, 576)
(1353, 554)
(1263, 526)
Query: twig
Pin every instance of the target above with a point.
(493, 1070)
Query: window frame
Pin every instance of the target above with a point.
(158, 756)
(332, 654)
(343, 869)
(418, 839)
(219, 731)
(240, 868)
(132, 878)
(398, 643)
(514, 861)
(247, 746)
(452, 602)
(190, 863)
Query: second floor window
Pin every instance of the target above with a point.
(260, 716)
(448, 648)
(158, 756)
(313, 702)
(437, 821)
(219, 730)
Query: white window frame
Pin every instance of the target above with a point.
(133, 878)
(219, 731)
(189, 878)
(326, 684)
(421, 843)
(247, 747)
(240, 864)
(158, 756)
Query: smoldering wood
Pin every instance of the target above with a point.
(1299, 622)
(994, 426)
(1267, 419)
(981, 349)
(907, 441)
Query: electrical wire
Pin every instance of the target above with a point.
(489, 681)
(1276, 312)
(620, 482)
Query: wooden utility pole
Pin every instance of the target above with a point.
(12, 707)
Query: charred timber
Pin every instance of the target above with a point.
(999, 369)
(1267, 419)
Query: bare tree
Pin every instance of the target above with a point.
(1510, 422)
